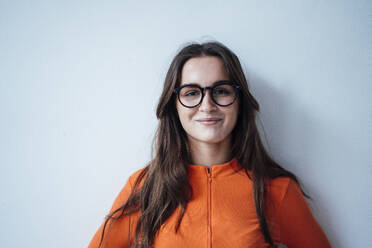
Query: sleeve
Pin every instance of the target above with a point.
(117, 233)
(298, 227)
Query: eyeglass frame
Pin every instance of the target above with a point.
(210, 88)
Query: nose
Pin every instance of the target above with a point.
(207, 104)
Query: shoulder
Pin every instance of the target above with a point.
(126, 190)
(136, 175)
(282, 187)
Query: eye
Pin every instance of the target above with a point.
(222, 92)
(191, 93)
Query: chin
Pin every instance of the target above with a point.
(209, 139)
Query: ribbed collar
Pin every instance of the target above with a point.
(218, 170)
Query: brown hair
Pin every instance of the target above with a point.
(166, 186)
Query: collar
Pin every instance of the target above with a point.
(217, 170)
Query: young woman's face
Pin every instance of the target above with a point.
(207, 122)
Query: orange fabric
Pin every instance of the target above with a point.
(222, 214)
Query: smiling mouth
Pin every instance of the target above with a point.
(208, 121)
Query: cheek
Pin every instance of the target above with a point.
(184, 115)
(233, 116)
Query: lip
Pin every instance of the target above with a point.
(208, 121)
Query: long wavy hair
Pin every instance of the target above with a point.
(166, 187)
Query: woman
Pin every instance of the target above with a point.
(211, 183)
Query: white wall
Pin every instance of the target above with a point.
(79, 82)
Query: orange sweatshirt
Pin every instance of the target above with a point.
(222, 214)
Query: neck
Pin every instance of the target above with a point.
(208, 154)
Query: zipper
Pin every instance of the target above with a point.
(209, 227)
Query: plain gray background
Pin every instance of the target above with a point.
(79, 83)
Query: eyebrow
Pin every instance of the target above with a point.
(196, 84)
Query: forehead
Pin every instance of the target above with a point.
(203, 71)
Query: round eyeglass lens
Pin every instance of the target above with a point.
(224, 94)
(190, 96)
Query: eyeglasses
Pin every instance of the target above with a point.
(223, 93)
